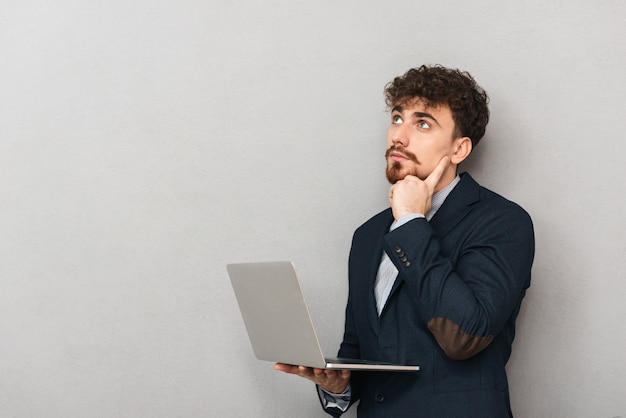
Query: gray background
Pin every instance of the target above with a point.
(146, 143)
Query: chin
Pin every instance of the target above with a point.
(395, 173)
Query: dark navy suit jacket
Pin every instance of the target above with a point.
(452, 310)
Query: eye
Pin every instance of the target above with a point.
(423, 124)
(396, 119)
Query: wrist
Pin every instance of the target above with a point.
(335, 389)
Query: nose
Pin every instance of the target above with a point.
(400, 141)
(399, 135)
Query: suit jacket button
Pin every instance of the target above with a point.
(407, 264)
(379, 397)
(398, 250)
(404, 259)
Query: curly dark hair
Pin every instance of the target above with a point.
(437, 85)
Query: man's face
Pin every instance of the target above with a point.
(417, 139)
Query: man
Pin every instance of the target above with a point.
(438, 278)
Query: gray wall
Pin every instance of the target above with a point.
(146, 143)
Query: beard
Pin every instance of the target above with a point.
(395, 170)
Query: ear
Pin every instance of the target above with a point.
(462, 148)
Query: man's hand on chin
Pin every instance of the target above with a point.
(412, 195)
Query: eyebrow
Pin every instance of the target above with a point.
(417, 114)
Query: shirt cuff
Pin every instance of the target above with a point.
(340, 401)
(405, 219)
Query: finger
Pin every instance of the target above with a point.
(318, 372)
(435, 176)
(282, 366)
(305, 371)
(288, 368)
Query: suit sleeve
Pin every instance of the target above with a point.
(466, 298)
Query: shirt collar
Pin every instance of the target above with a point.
(440, 197)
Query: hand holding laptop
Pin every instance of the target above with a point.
(334, 381)
(280, 328)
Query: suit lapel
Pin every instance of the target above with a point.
(454, 208)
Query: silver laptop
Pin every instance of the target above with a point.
(278, 322)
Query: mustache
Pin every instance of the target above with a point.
(400, 149)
